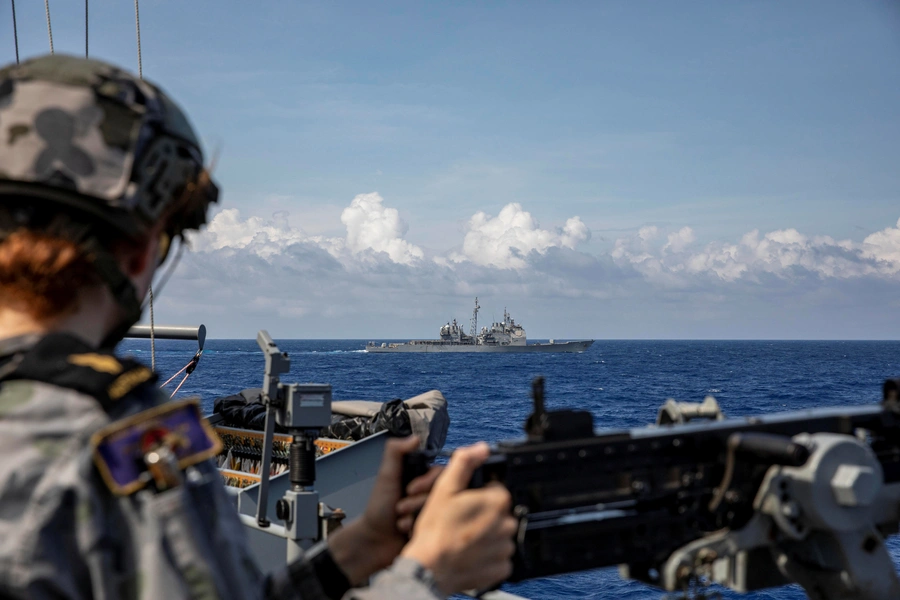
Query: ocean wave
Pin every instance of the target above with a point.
(488, 398)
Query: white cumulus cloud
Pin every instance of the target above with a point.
(782, 253)
(228, 230)
(375, 234)
(655, 282)
(680, 240)
(884, 246)
(371, 225)
(503, 241)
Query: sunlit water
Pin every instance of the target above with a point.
(622, 383)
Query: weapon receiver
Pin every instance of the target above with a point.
(802, 497)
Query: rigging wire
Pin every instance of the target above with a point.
(85, 28)
(169, 380)
(152, 335)
(179, 386)
(192, 364)
(137, 25)
(161, 284)
(49, 30)
(15, 30)
(165, 278)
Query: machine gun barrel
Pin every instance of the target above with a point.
(170, 332)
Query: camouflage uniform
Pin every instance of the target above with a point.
(72, 129)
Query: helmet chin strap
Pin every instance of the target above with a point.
(121, 330)
(121, 288)
(160, 284)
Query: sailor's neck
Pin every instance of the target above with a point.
(91, 322)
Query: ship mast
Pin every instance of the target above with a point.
(474, 328)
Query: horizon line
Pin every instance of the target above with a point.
(636, 339)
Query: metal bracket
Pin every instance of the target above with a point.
(277, 363)
(330, 520)
(813, 526)
(303, 515)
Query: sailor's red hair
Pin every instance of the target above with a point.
(40, 274)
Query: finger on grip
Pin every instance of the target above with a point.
(462, 465)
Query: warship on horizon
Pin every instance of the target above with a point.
(505, 336)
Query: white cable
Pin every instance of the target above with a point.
(49, 30)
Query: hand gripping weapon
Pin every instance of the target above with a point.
(803, 497)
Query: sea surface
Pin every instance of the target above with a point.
(622, 383)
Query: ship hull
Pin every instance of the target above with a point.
(579, 346)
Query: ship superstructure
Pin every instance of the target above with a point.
(502, 336)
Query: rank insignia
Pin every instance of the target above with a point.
(175, 429)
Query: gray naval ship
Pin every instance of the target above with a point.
(505, 336)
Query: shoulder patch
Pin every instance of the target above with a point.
(120, 447)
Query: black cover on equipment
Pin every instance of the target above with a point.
(246, 411)
(393, 417)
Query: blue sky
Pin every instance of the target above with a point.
(639, 118)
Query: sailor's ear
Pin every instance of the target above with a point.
(136, 259)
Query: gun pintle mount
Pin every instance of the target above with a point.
(802, 497)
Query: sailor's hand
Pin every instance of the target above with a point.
(373, 541)
(416, 494)
(465, 537)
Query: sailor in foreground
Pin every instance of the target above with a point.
(99, 172)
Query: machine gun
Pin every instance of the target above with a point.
(804, 497)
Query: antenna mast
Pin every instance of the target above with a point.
(474, 328)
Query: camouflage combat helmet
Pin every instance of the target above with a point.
(92, 139)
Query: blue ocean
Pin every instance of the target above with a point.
(622, 383)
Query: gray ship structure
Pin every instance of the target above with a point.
(505, 336)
